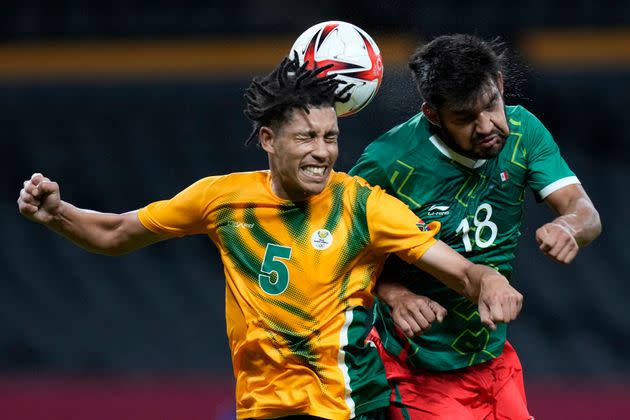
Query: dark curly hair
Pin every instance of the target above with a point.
(454, 69)
(270, 99)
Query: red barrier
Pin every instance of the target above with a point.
(213, 399)
(116, 399)
(578, 400)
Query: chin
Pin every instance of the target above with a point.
(314, 190)
(490, 153)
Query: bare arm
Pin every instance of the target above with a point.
(496, 299)
(576, 226)
(102, 233)
(412, 314)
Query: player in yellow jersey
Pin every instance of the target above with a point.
(301, 245)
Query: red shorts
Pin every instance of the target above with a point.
(491, 391)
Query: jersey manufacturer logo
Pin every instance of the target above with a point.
(321, 239)
(436, 210)
(241, 225)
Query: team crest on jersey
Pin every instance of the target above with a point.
(421, 225)
(321, 239)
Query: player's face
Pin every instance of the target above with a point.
(302, 152)
(478, 130)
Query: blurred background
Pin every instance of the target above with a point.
(127, 102)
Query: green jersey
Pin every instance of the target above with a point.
(480, 206)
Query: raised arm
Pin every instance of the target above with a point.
(576, 226)
(497, 301)
(102, 233)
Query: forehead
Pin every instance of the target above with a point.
(487, 93)
(323, 117)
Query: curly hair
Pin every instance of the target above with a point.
(270, 99)
(454, 69)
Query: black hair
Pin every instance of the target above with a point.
(454, 69)
(271, 98)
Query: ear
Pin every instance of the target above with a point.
(431, 114)
(266, 137)
(500, 82)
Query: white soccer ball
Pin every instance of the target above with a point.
(355, 57)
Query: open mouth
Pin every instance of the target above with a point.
(490, 141)
(314, 171)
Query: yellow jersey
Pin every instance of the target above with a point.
(299, 277)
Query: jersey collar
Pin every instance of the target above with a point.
(452, 154)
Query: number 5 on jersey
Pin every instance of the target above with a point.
(274, 277)
(481, 225)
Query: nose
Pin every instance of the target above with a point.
(320, 149)
(484, 125)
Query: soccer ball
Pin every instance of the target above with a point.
(355, 57)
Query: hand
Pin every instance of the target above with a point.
(39, 200)
(498, 301)
(557, 242)
(413, 314)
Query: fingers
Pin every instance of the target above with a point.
(409, 330)
(28, 198)
(39, 186)
(439, 311)
(557, 242)
(484, 315)
(499, 302)
(414, 314)
(35, 195)
(46, 187)
(410, 322)
(27, 202)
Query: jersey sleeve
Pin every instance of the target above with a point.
(548, 171)
(396, 229)
(184, 214)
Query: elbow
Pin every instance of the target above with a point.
(592, 231)
(596, 227)
(114, 244)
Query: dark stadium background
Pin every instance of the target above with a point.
(126, 102)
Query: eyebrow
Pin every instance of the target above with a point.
(468, 110)
(313, 133)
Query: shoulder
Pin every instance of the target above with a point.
(400, 142)
(396, 140)
(225, 184)
(521, 119)
(237, 179)
(352, 181)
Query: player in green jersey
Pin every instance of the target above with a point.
(466, 161)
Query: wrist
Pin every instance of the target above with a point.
(390, 292)
(481, 278)
(567, 227)
(59, 217)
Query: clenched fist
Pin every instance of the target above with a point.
(557, 241)
(39, 200)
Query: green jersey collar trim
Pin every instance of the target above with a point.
(451, 154)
